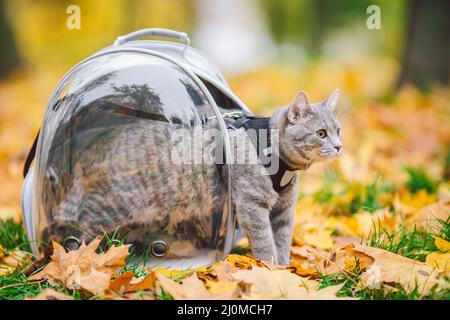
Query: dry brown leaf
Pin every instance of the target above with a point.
(83, 268)
(343, 241)
(393, 268)
(121, 282)
(126, 282)
(312, 232)
(10, 261)
(168, 285)
(304, 269)
(193, 288)
(282, 284)
(364, 259)
(429, 216)
(190, 288)
(113, 258)
(344, 259)
(224, 289)
(245, 262)
(304, 261)
(440, 261)
(223, 271)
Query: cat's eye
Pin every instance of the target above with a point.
(321, 133)
(338, 132)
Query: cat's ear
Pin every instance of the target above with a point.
(333, 100)
(299, 107)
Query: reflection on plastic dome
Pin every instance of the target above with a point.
(105, 161)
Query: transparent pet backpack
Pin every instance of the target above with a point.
(161, 85)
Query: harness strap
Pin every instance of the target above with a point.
(285, 173)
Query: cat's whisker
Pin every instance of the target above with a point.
(350, 154)
(333, 165)
(353, 168)
(321, 170)
(327, 166)
(344, 114)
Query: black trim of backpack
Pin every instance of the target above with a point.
(30, 156)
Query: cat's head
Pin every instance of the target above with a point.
(310, 131)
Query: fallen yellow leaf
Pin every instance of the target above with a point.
(441, 244)
(126, 282)
(393, 268)
(428, 217)
(191, 288)
(440, 261)
(10, 261)
(83, 268)
(282, 284)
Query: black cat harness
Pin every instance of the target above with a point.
(236, 120)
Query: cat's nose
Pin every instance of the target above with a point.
(338, 148)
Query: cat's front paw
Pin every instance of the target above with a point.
(284, 260)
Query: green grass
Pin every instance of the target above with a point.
(324, 195)
(164, 296)
(400, 293)
(16, 286)
(366, 198)
(243, 250)
(368, 201)
(419, 180)
(446, 171)
(12, 236)
(414, 244)
(444, 230)
(350, 280)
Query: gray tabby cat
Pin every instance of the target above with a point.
(308, 133)
(127, 179)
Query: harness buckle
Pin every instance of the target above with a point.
(233, 115)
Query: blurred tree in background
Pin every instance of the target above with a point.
(43, 40)
(427, 49)
(9, 56)
(422, 35)
(311, 23)
(415, 33)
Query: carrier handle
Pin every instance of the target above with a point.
(155, 32)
